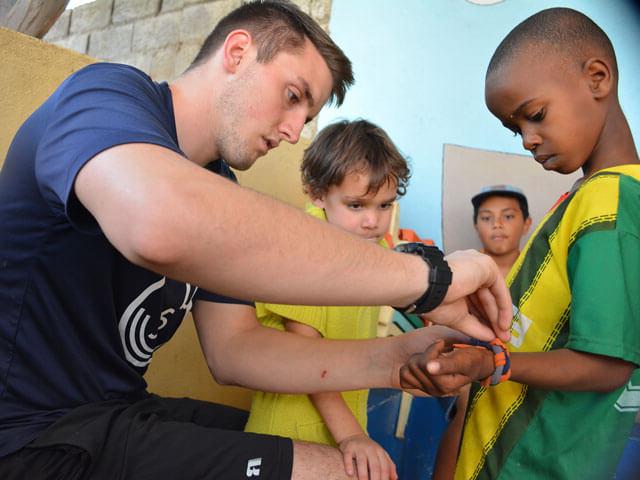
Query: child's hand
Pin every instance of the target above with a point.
(365, 457)
(441, 371)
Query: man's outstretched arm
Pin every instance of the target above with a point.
(171, 216)
(240, 351)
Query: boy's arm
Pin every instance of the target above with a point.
(570, 370)
(561, 369)
(354, 443)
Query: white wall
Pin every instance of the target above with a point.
(420, 67)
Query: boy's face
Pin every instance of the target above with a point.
(501, 225)
(349, 207)
(266, 103)
(551, 106)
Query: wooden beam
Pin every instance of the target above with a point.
(33, 17)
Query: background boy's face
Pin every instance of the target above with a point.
(550, 105)
(501, 225)
(350, 207)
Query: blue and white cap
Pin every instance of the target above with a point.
(502, 190)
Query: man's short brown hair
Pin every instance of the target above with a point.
(277, 26)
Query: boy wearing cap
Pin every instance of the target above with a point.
(501, 218)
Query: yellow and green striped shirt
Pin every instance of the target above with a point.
(575, 285)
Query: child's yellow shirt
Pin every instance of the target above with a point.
(294, 416)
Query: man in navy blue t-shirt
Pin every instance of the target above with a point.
(111, 231)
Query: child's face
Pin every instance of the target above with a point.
(551, 106)
(501, 225)
(349, 207)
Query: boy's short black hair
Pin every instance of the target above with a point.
(344, 147)
(276, 26)
(564, 31)
(499, 191)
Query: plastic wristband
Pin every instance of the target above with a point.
(501, 359)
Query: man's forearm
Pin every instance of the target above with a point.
(191, 225)
(298, 364)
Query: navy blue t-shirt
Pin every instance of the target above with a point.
(78, 321)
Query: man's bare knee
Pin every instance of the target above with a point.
(312, 461)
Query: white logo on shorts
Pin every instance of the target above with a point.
(253, 467)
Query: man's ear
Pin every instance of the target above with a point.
(599, 75)
(235, 49)
(527, 226)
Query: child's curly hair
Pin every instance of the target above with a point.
(352, 146)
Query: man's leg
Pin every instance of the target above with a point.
(187, 440)
(58, 462)
(312, 461)
(152, 439)
(169, 439)
(205, 414)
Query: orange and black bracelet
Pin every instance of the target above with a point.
(501, 359)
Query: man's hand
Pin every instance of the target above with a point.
(478, 302)
(442, 371)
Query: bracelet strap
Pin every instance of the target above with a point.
(501, 359)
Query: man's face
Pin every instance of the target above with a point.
(501, 225)
(265, 103)
(551, 106)
(350, 207)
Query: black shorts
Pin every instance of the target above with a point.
(156, 438)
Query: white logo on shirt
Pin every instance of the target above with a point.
(629, 400)
(253, 467)
(137, 336)
(519, 327)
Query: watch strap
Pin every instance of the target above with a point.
(440, 277)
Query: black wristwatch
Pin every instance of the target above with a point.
(439, 277)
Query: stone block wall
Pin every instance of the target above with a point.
(161, 37)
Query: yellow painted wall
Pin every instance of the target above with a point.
(29, 71)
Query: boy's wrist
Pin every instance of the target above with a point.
(496, 361)
(346, 438)
(487, 364)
